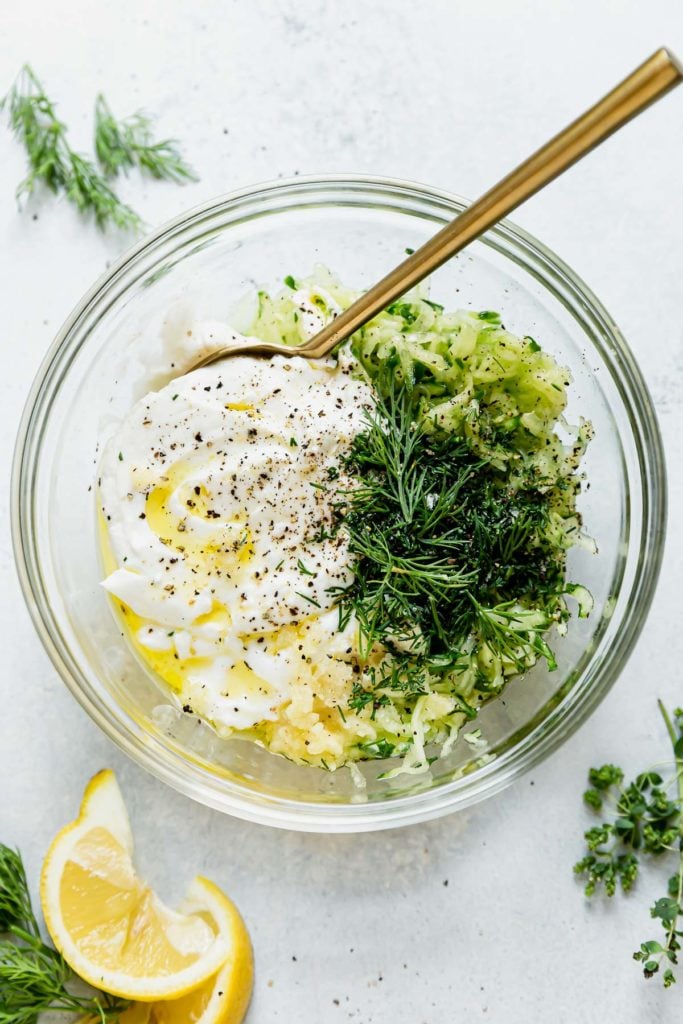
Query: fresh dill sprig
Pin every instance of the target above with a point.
(34, 977)
(52, 161)
(15, 901)
(647, 816)
(120, 145)
(445, 550)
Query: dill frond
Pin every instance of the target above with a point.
(121, 145)
(52, 161)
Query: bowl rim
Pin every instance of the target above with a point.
(422, 805)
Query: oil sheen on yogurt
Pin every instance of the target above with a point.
(217, 495)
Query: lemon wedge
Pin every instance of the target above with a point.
(224, 998)
(109, 926)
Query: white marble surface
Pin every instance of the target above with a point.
(477, 916)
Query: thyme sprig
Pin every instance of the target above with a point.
(52, 161)
(121, 145)
(647, 818)
(34, 977)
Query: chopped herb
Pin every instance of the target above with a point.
(307, 598)
(647, 818)
(321, 534)
(290, 282)
(533, 344)
(293, 443)
(443, 548)
(120, 456)
(302, 568)
(377, 748)
(360, 698)
(404, 310)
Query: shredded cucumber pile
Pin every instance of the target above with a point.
(460, 523)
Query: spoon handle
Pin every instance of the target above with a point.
(661, 72)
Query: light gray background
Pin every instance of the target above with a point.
(471, 917)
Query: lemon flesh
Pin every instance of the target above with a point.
(224, 998)
(110, 927)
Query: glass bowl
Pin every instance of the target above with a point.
(105, 357)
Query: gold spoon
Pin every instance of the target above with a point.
(661, 72)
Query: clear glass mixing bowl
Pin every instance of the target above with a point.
(204, 261)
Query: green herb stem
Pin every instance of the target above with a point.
(52, 161)
(646, 820)
(446, 551)
(676, 882)
(121, 145)
(34, 977)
